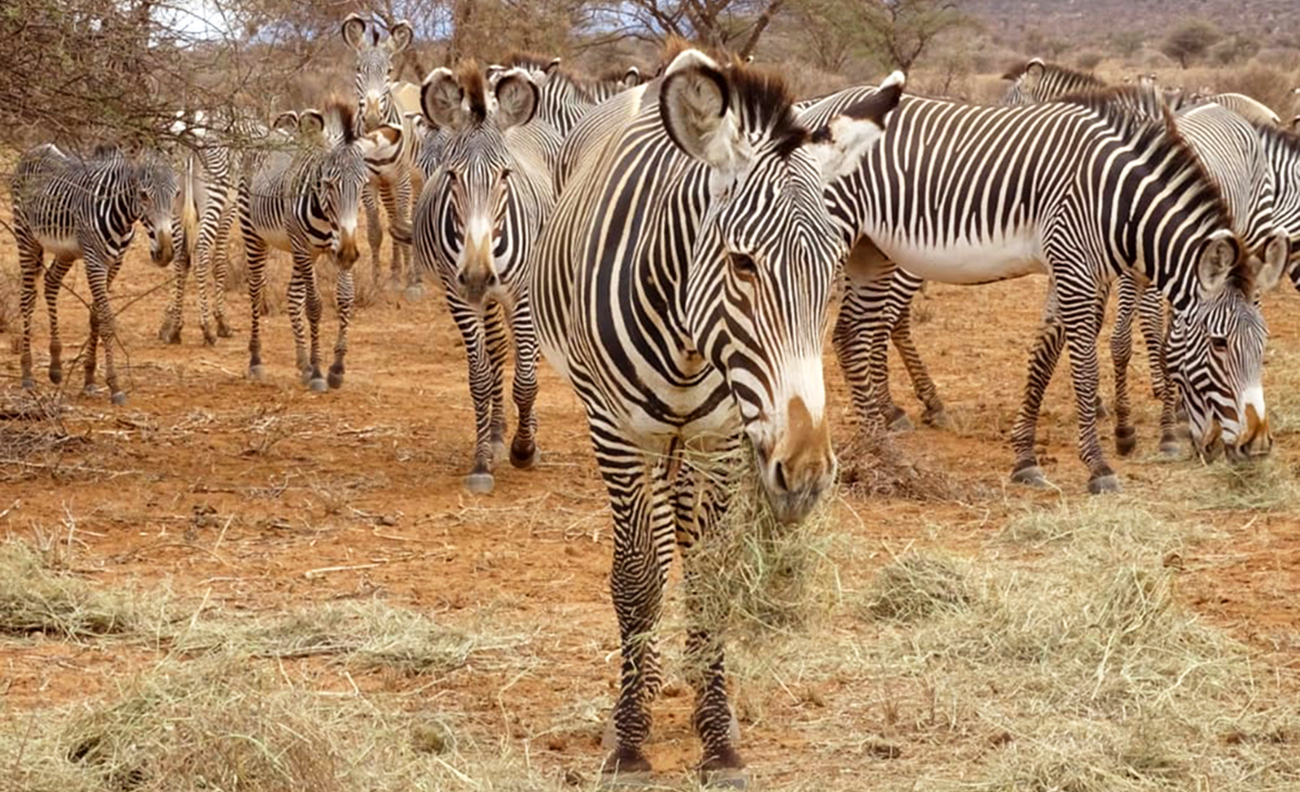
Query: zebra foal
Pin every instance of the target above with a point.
(86, 208)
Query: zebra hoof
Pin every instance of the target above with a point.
(223, 329)
(899, 422)
(335, 378)
(256, 372)
(480, 483)
(1125, 440)
(169, 333)
(936, 419)
(88, 390)
(413, 294)
(523, 455)
(209, 338)
(118, 399)
(318, 385)
(29, 383)
(1104, 484)
(1030, 476)
(56, 376)
(1170, 447)
(304, 375)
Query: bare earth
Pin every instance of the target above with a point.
(262, 496)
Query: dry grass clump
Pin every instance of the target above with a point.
(370, 635)
(871, 465)
(1100, 527)
(1265, 485)
(37, 598)
(31, 424)
(917, 586)
(752, 578)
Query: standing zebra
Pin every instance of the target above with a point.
(86, 208)
(681, 287)
(1081, 189)
(390, 176)
(304, 198)
(475, 225)
(566, 98)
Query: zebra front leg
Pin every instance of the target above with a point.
(255, 252)
(523, 449)
(851, 338)
(53, 283)
(312, 373)
(498, 349)
(343, 297)
(374, 232)
(29, 263)
(100, 277)
(1121, 351)
(1151, 312)
(1081, 338)
(173, 314)
(1042, 362)
(480, 479)
(924, 388)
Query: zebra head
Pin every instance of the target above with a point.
(760, 273)
(341, 171)
(1216, 348)
(480, 191)
(156, 193)
(374, 79)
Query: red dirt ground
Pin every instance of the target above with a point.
(236, 491)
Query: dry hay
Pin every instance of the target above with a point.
(1263, 485)
(872, 466)
(38, 599)
(917, 586)
(31, 425)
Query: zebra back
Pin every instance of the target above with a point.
(1035, 81)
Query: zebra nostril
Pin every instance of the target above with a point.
(460, 278)
(493, 279)
(778, 475)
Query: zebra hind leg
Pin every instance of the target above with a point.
(343, 297)
(1042, 362)
(29, 256)
(53, 282)
(173, 314)
(220, 271)
(1121, 351)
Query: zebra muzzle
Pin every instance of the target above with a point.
(162, 252)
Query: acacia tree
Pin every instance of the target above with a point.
(735, 25)
(904, 30)
(1190, 42)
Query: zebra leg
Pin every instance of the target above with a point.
(856, 329)
(58, 269)
(298, 316)
(1121, 351)
(713, 719)
(402, 206)
(1042, 362)
(343, 296)
(922, 385)
(312, 373)
(100, 277)
(1151, 312)
(523, 449)
(498, 350)
(220, 269)
(255, 253)
(374, 232)
(173, 314)
(473, 333)
(1081, 338)
(637, 481)
(30, 254)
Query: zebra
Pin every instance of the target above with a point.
(1035, 81)
(303, 198)
(566, 98)
(86, 208)
(681, 288)
(1081, 188)
(475, 226)
(390, 177)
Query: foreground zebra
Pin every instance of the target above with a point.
(304, 198)
(476, 223)
(681, 287)
(390, 176)
(86, 208)
(1081, 189)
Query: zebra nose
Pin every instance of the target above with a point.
(1256, 441)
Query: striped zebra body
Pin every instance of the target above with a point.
(476, 223)
(1081, 189)
(565, 98)
(390, 176)
(77, 208)
(303, 198)
(681, 288)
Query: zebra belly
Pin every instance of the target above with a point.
(277, 238)
(967, 262)
(60, 246)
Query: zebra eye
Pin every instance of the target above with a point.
(1219, 344)
(742, 265)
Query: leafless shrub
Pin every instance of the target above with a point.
(1262, 83)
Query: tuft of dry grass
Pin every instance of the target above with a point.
(37, 598)
(1264, 485)
(917, 586)
(871, 465)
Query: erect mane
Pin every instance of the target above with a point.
(763, 101)
(1017, 71)
(345, 113)
(469, 75)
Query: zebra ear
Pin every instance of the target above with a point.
(400, 36)
(354, 31)
(311, 123)
(632, 77)
(694, 104)
(517, 99)
(1222, 252)
(1277, 252)
(286, 122)
(840, 145)
(441, 97)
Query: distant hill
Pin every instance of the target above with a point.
(1097, 20)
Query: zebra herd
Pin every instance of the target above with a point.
(671, 246)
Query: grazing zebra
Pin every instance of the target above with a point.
(475, 226)
(390, 176)
(86, 208)
(303, 198)
(681, 287)
(1081, 189)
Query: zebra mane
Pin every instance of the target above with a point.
(1282, 135)
(527, 60)
(1017, 71)
(469, 75)
(344, 112)
(762, 101)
